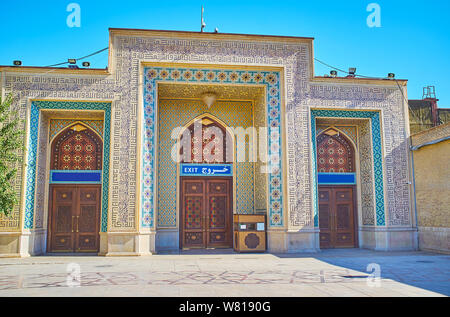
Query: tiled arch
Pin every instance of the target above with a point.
(377, 155)
(33, 142)
(270, 79)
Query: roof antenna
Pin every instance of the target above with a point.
(203, 22)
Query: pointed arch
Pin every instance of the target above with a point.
(77, 147)
(335, 152)
(217, 140)
(349, 138)
(71, 125)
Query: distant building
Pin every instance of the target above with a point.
(430, 150)
(425, 114)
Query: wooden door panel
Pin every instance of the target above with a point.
(193, 218)
(194, 187)
(193, 208)
(194, 222)
(343, 217)
(64, 195)
(88, 219)
(217, 187)
(62, 242)
(343, 195)
(344, 225)
(336, 217)
(63, 232)
(325, 218)
(62, 219)
(75, 218)
(63, 215)
(87, 228)
(219, 213)
(88, 195)
(218, 207)
(217, 222)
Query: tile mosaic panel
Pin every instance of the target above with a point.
(177, 113)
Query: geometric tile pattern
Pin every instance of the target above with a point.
(77, 150)
(259, 117)
(366, 174)
(57, 125)
(36, 106)
(374, 117)
(200, 148)
(270, 79)
(351, 132)
(177, 113)
(335, 154)
(193, 207)
(236, 277)
(40, 210)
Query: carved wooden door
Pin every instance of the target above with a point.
(193, 234)
(206, 212)
(74, 218)
(218, 213)
(336, 217)
(62, 219)
(88, 219)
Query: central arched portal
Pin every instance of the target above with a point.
(337, 179)
(75, 190)
(206, 185)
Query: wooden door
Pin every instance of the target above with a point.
(62, 219)
(206, 212)
(336, 217)
(193, 225)
(88, 219)
(74, 218)
(219, 213)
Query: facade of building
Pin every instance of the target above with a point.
(430, 152)
(111, 169)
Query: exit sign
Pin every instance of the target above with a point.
(206, 170)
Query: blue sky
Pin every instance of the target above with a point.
(413, 41)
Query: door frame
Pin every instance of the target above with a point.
(50, 217)
(355, 212)
(230, 216)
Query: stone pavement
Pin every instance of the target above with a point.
(224, 273)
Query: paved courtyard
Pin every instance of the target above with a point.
(224, 273)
